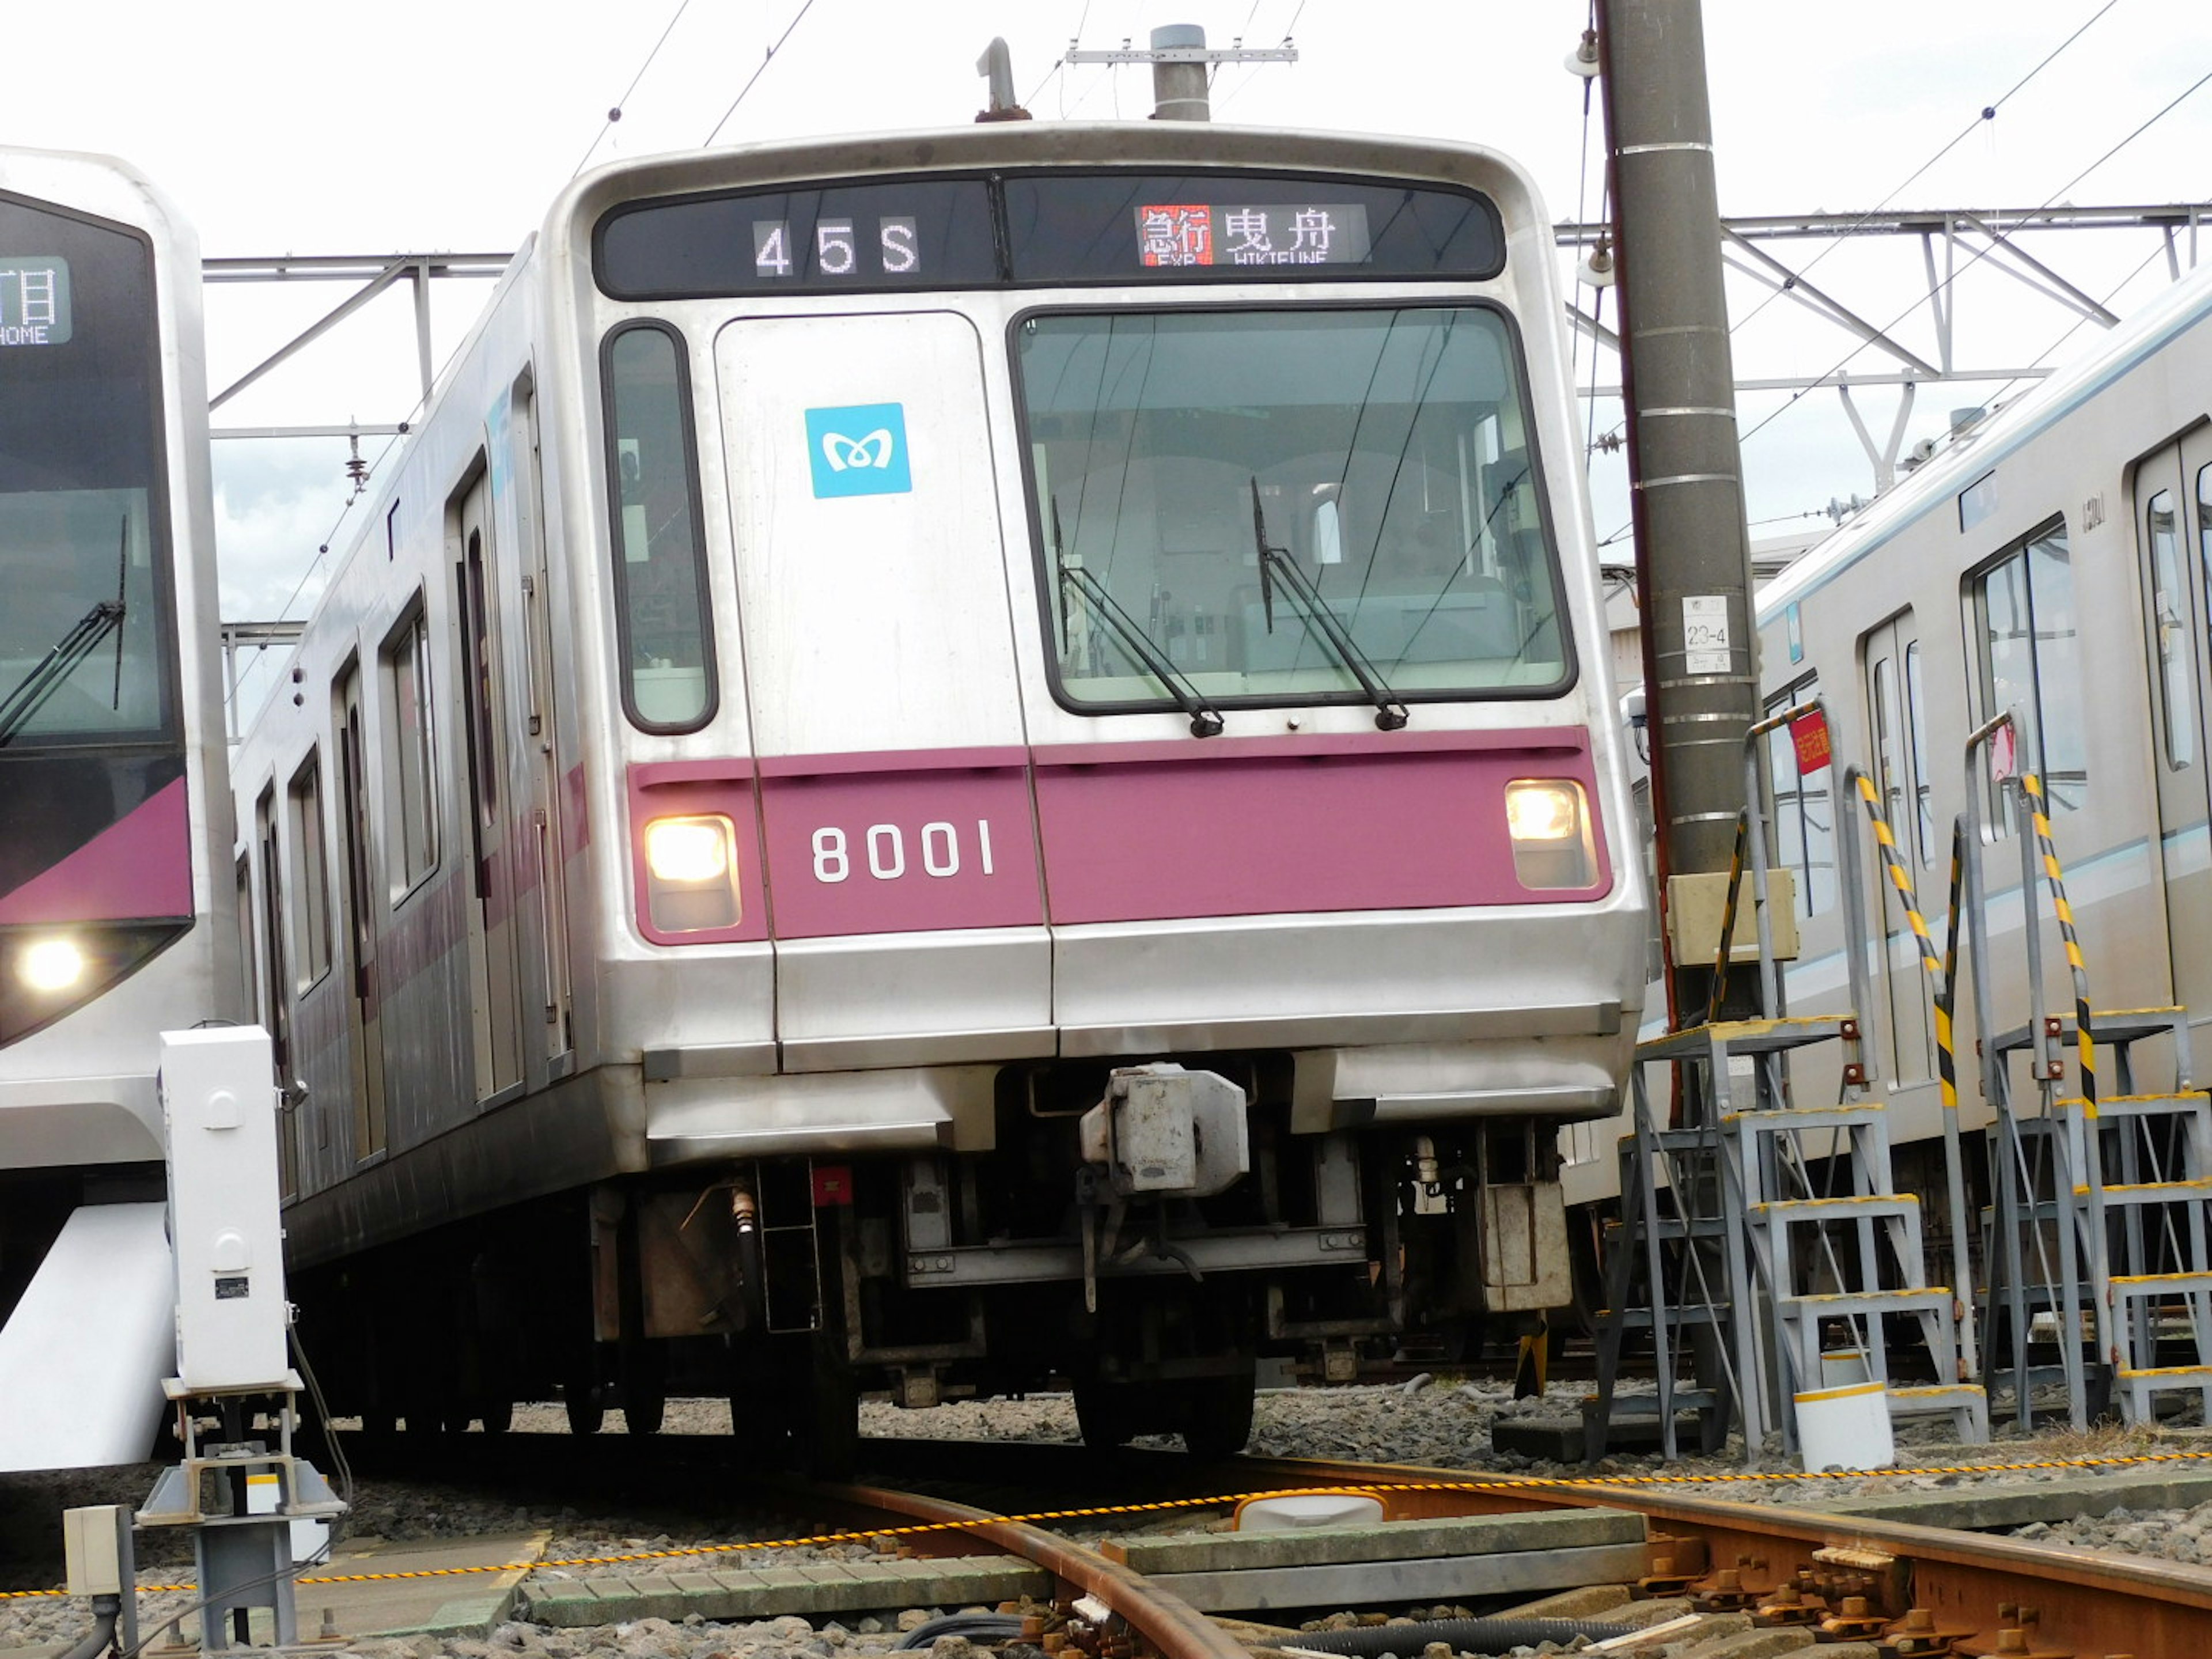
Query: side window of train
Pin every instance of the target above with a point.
(1804, 809)
(661, 574)
(411, 757)
(1898, 711)
(2027, 658)
(2176, 630)
(311, 920)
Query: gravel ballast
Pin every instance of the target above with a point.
(1437, 1422)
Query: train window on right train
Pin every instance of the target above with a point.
(2177, 647)
(2028, 659)
(1804, 809)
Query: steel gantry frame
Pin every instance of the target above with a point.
(376, 273)
(1952, 240)
(1989, 236)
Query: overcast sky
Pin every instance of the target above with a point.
(450, 124)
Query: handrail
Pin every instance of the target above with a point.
(1938, 976)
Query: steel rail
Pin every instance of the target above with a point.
(1171, 1625)
(2089, 1602)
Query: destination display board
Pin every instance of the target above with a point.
(1038, 229)
(35, 301)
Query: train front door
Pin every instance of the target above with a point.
(494, 971)
(2173, 541)
(887, 714)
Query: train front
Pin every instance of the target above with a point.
(1126, 844)
(112, 791)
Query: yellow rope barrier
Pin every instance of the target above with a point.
(1501, 1483)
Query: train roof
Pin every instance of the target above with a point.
(1974, 452)
(1201, 145)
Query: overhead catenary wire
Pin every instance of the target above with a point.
(1987, 115)
(615, 113)
(1252, 71)
(1060, 62)
(1996, 240)
(753, 80)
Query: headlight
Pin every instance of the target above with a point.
(1549, 822)
(1543, 812)
(51, 964)
(688, 850)
(691, 874)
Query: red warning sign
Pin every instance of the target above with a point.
(1810, 733)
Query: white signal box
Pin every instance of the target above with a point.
(220, 1105)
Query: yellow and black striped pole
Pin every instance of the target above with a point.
(2031, 788)
(1727, 948)
(1939, 977)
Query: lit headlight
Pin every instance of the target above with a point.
(51, 964)
(688, 850)
(692, 875)
(1549, 822)
(1543, 812)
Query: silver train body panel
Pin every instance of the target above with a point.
(1889, 619)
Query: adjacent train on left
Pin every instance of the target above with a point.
(953, 761)
(117, 919)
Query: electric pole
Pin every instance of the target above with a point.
(1694, 564)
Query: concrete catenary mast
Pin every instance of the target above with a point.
(1693, 551)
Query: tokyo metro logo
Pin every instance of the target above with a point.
(858, 450)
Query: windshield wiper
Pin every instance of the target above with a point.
(1276, 563)
(21, 706)
(1205, 719)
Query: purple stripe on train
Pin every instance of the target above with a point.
(136, 869)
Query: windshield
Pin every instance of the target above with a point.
(83, 597)
(1384, 453)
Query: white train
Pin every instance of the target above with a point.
(953, 760)
(116, 915)
(2051, 558)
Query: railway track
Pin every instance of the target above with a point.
(1903, 1589)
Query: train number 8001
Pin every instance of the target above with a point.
(884, 850)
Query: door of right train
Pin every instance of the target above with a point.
(1897, 721)
(2173, 541)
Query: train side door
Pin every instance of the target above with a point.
(2173, 540)
(277, 982)
(1898, 723)
(366, 1031)
(496, 979)
(540, 732)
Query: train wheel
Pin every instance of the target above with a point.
(585, 1407)
(1103, 1412)
(500, 1417)
(1218, 1415)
